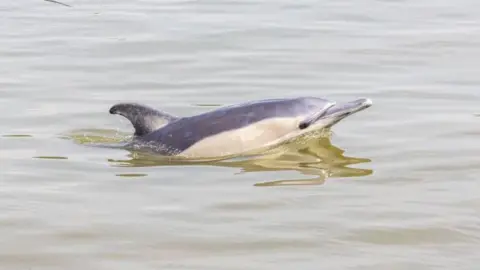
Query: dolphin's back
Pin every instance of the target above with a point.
(185, 132)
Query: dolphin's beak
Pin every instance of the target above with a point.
(339, 111)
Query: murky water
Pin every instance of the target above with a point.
(394, 187)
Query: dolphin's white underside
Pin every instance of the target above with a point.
(261, 134)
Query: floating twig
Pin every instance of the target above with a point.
(60, 3)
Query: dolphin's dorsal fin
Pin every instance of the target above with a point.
(312, 118)
(144, 119)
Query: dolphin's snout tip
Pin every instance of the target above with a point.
(362, 102)
(367, 102)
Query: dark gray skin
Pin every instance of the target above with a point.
(144, 119)
(176, 134)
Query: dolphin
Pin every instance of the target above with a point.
(234, 129)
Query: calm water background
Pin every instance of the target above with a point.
(413, 202)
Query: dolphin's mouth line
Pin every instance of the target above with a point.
(340, 111)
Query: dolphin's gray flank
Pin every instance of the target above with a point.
(189, 130)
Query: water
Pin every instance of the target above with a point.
(394, 187)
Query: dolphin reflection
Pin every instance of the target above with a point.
(317, 159)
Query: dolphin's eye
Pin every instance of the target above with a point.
(303, 126)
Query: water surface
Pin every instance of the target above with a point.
(394, 187)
